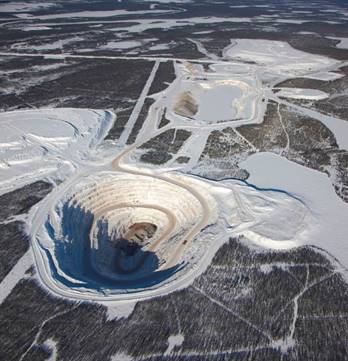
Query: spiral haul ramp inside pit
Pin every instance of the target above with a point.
(117, 233)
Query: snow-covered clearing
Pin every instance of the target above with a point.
(174, 341)
(126, 44)
(276, 56)
(119, 310)
(121, 357)
(36, 28)
(19, 7)
(293, 93)
(328, 227)
(326, 76)
(52, 346)
(159, 47)
(343, 42)
(146, 24)
(91, 14)
(59, 44)
(15, 275)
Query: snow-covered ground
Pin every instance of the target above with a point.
(126, 44)
(276, 56)
(328, 227)
(35, 144)
(343, 42)
(293, 93)
(90, 14)
(56, 45)
(19, 7)
(174, 341)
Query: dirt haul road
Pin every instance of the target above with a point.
(174, 259)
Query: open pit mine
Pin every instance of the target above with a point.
(116, 229)
(122, 236)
